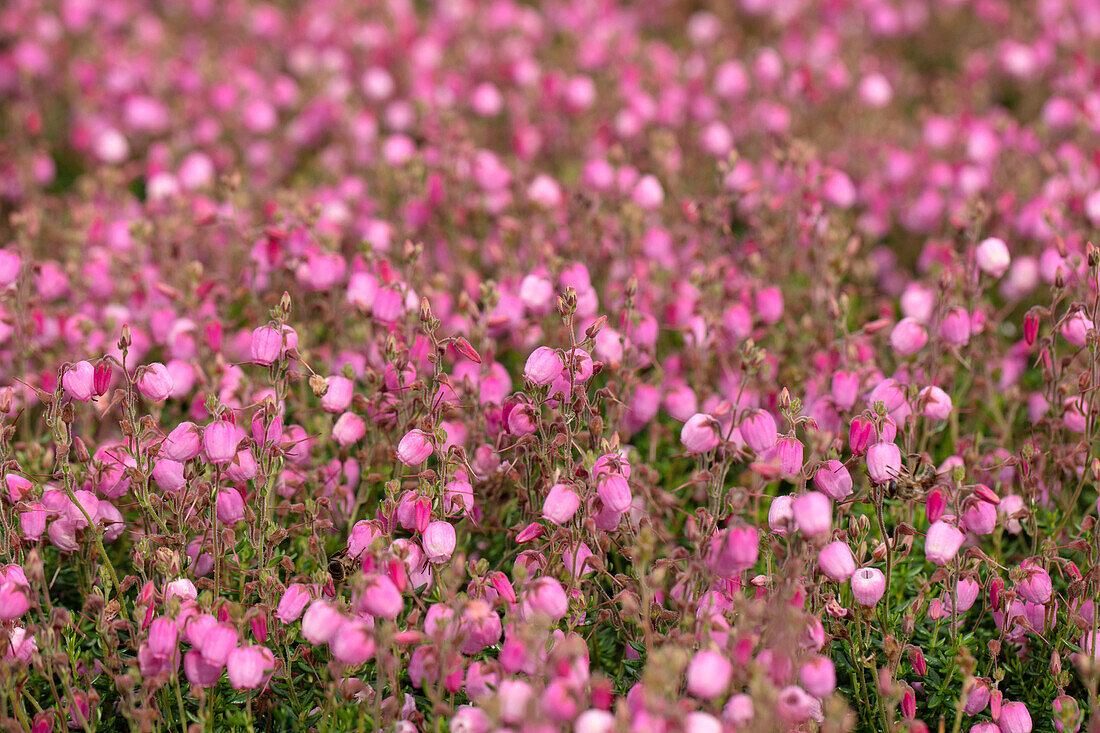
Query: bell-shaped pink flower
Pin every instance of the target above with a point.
(415, 447)
(883, 462)
(708, 674)
(908, 337)
(698, 434)
(833, 480)
(79, 381)
(818, 676)
(249, 667)
(156, 383)
(543, 366)
(813, 513)
(267, 344)
(381, 598)
(759, 431)
(438, 541)
(220, 440)
(349, 429)
(561, 504)
(293, 603)
(836, 561)
(320, 622)
(942, 543)
(868, 586)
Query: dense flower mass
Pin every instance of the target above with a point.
(534, 366)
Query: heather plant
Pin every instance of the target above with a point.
(587, 366)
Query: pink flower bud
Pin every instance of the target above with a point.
(908, 337)
(708, 674)
(220, 440)
(813, 513)
(230, 506)
(883, 462)
(543, 366)
(868, 585)
(942, 543)
(561, 504)
(836, 561)
(934, 505)
(267, 344)
(414, 448)
(101, 378)
(833, 480)
(156, 382)
(79, 381)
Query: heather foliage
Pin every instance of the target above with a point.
(578, 365)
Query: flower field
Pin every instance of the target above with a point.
(576, 365)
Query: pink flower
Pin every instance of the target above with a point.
(293, 603)
(818, 676)
(759, 431)
(833, 480)
(249, 667)
(708, 674)
(883, 462)
(908, 337)
(993, 257)
(868, 586)
(78, 381)
(415, 447)
(220, 440)
(942, 543)
(813, 513)
(698, 434)
(543, 366)
(836, 561)
(349, 429)
(561, 504)
(155, 383)
(267, 344)
(439, 541)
